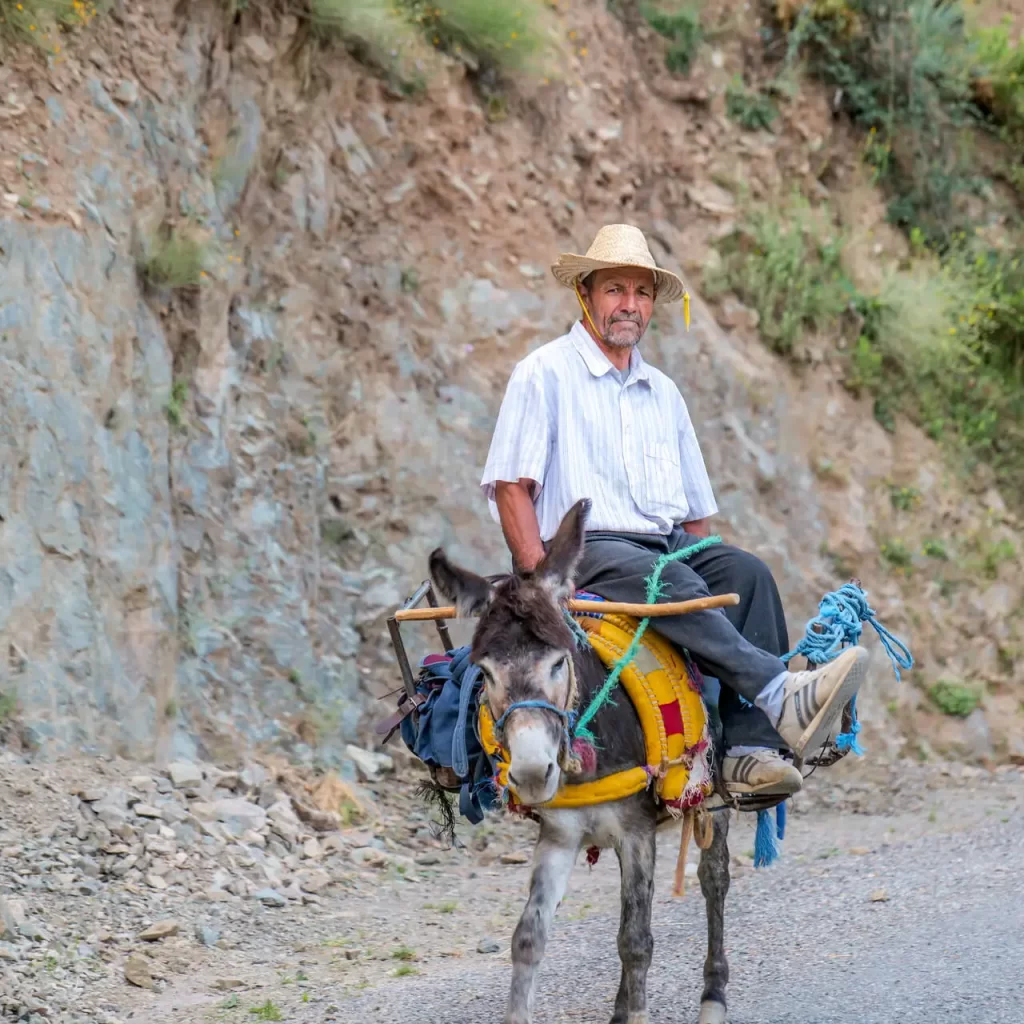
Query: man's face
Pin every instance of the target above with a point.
(621, 301)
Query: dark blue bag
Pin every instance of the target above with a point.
(445, 735)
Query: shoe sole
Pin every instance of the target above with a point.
(814, 735)
(785, 787)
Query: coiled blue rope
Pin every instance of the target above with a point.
(840, 622)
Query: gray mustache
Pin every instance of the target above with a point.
(632, 318)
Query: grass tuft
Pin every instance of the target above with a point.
(954, 699)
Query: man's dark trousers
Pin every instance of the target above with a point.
(739, 645)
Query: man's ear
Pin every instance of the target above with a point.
(556, 571)
(469, 592)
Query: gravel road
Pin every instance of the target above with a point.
(912, 916)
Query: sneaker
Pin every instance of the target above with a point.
(764, 771)
(813, 700)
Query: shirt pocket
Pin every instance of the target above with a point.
(663, 476)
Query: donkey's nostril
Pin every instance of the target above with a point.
(547, 774)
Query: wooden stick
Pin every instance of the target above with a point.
(598, 607)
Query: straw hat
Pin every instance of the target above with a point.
(618, 245)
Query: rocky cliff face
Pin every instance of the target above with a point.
(212, 495)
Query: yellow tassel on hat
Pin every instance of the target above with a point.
(686, 309)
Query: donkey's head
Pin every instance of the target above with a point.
(524, 649)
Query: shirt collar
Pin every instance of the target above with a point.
(597, 362)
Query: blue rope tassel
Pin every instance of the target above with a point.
(780, 820)
(766, 850)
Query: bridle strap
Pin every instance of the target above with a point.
(568, 717)
(567, 760)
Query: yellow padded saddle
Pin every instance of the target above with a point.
(671, 712)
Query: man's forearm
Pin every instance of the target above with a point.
(699, 527)
(519, 523)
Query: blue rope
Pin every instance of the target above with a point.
(840, 622)
(841, 617)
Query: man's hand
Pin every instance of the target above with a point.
(699, 527)
(519, 522)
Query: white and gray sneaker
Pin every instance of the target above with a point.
(811, 701)
(762, 771)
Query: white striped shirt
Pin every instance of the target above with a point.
(570, 424)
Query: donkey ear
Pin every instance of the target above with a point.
(468, 592)
(558, 567)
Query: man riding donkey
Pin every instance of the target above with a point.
(585, 417)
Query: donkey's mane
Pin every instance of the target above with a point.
(534, 618)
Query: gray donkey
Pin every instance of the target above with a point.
(528, 656)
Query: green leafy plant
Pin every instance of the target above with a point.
(897, 554)
(994, 554)
(682, 27)
(782, 263)
(750, 109)
(904, 71)
(935, 549)
(955, 699)
(176, 403)
(904, 499)
(176, 260)
(44, 23)
(266, 1011)
(8, 706)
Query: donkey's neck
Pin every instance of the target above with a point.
(618, 735)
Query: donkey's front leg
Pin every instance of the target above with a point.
(636, 942)
(552, 865)
(713, 873)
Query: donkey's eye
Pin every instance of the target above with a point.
(559, 666)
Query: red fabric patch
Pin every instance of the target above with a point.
(593, 855)
(673, 718)
(587, 755)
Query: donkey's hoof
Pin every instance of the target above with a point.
(711, 1012)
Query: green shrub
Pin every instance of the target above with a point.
(682, 28)
(784, 266)
(935, 549)
(999, 86)
(904, 499)
(506, 35)
(378, 31)
(905, 71)
(8, 706)
(177, 260)
(943, 342)
(266, 1011)
(398, 35)
(749, 109)
(897, 554)
(994, 554)
(176, 403)
(955, 699)
(42, 22)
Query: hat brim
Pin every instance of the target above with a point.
(571, 267)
